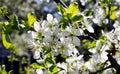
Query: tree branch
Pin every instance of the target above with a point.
(113, 63)
(61, 2)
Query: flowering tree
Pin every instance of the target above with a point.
(82, 41)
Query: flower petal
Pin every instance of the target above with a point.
(76, 41)
(36, 26)
(49, 18)
(90, 29)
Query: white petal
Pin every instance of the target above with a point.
(79, 32)
(108, 72)
(36, 55)
(49, 18)
(96, 21)
(105, 21)
(65, 33)
(32, 34)
(62, 39)
(47, 39)
(40, 61)
(62, 65)
(90, 29)
(67, 52)
(39, 71)
(47, 32)
(21, 25)
(62, 72)
(98, 45)
(44, 24)
(37, 26)
(76, 41)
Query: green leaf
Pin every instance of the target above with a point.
(69, 12)
(113, 15)
(72, 10)
(14, 22)
(61, 8)
(113, 8)
(3, 10)
(6, 40)
(107, 10)
(105, 1)
(54, 69)
(7, 27)
(35, 65)
(50, 59)
(89, 43)
(77, 18)
(103, 39)
(10, 72)
(63, 23)
(31, 19)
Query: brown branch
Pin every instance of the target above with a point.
(113, 63)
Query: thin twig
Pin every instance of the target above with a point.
(61, 2)
(101, 70)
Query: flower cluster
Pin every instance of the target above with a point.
(49, 37)
(60, 50)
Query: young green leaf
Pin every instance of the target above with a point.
(61, 8)
(6, 40)
(72, 10)
(54, 69)
(31, 19)
(77, 18)
(113, 8)
(113, 15)
(14, 22)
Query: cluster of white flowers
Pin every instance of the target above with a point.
(48, 36)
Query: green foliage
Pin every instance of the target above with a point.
(3, 10)
(71, 11)
(69, 14)
(113, 12)
(61, 8)
(77, 18)
(8, 27)
(11, 25)
(14, 22)
(89, 44)
(50, 59)
(31, 19)
(27, 70)
(53, 69)
(3, 71)
(36, 65)
(103, 39)
(7, 41)
(113, 15)
(105, 1)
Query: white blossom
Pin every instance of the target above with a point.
(36, 26)
(49, 18)
(39, 71)
(76, 41)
